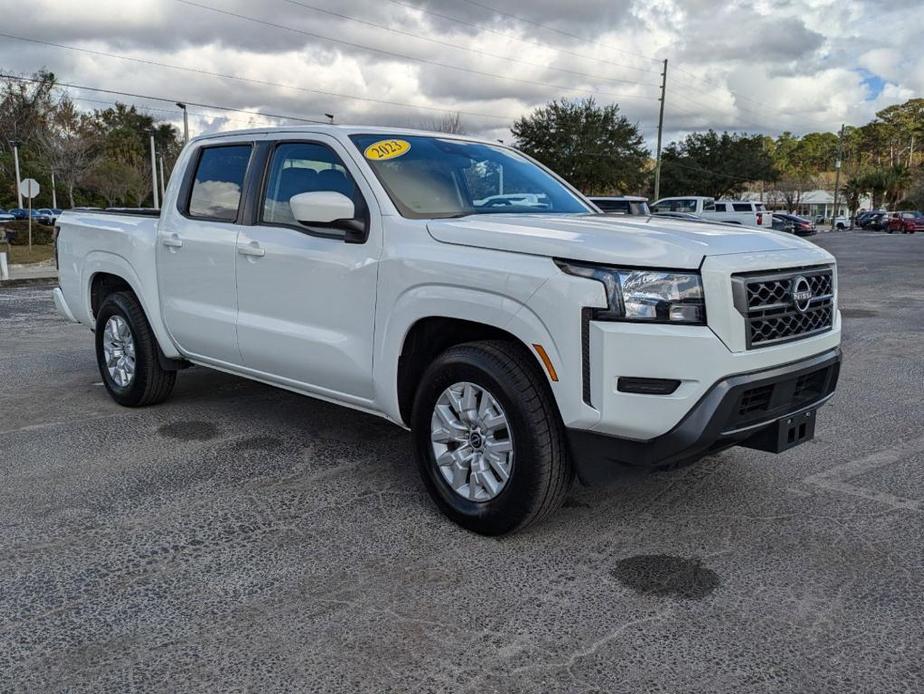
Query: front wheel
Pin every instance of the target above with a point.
(489, 442)
(126, 353)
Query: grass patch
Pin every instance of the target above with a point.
(22, 254)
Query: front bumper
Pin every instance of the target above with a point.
(736, 410)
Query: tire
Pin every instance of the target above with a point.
(149, 383)
(540, 469)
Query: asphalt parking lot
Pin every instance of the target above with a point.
(244, 538)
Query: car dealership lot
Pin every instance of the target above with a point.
(241, 536)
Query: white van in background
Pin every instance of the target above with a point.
(744, 212)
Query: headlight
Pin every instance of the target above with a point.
(656, 296)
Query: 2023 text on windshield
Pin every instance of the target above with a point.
(442, 177)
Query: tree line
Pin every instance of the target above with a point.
(97, 158)
(601, 152)
(102, 157)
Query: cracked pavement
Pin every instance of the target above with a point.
(240, 537)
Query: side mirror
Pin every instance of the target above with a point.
(321, 207)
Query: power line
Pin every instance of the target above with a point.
(166, 99)
(708, 80)
(115, 102)
(251, 80)
(404, 56)
(757, 114)
(481, 5)
(478, 27)
(449, 44)
(557, 30)
(152, 109)
(736, 95)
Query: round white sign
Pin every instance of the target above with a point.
(29, 188)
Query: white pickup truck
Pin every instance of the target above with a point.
(399, 273)
(744, 212)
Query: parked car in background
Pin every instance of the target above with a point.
(522, 345)
(793, 224)
(22, 213)
(906, 222)
(690, 217)
(746, 213)
(876, 221)
(622, 204)
(46, 216)
(734, 209)
(839, 222)
(863, 217)
(5, 216)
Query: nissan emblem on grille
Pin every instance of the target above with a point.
(784, 305)
(801, 294)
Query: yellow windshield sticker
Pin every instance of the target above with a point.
(387, 149)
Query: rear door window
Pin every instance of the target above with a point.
(216, 190)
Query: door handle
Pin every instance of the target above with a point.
(173, 241)
(252, 249)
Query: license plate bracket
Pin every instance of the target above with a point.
(785, 433)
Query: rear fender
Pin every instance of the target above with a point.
(97, 262)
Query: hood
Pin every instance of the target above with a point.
(642, 241)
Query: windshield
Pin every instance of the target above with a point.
(436, 177)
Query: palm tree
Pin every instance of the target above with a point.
(853, 190)
(898, 179)
(876, 182)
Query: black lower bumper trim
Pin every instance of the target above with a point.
(734, 412)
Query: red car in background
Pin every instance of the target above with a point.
(906, 222)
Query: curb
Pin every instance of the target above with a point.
(29, 281)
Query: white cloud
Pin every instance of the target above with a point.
(763, 67)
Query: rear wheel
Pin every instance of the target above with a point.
(127, 353)
(490, 445)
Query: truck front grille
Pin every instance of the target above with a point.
(784, 305)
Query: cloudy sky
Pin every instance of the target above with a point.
(763, 66)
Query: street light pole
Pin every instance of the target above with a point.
(185, 122)
(154, 174)
(837, 177)
(15, 145)
(163, 181)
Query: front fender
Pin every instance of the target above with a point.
(452, 301)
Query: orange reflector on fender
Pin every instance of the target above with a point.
(540, 350)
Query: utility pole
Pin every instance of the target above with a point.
(657, 182)
(154, 173)
(15, 145)
(163, 181)
(54, 192)
(185, 122)
(837, 176)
